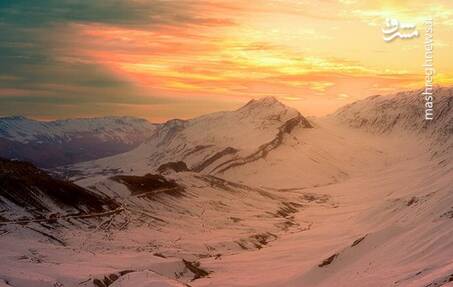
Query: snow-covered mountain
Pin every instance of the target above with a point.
(210, 144)
(402, 112)
(258, 197)
(53, 143)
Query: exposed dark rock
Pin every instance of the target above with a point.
(263, 238)
(194, 267)
(314, 197)
(110, 278)
(264, 149)
(441, 281)
(159, 255)
(448, 214)
(241, 244)
(197, 149)
(235, 219)
(50, 236)
(256, 241)
(356, 242)
(287, 209)
(37, 192)
(412, 201)
(98, 283)
(328, 261)
(178, 166)
(150, 185)
(124, 272)
(213, 158)
(230, 186)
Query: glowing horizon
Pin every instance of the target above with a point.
(179, 59)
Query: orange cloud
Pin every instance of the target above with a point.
(244, 50)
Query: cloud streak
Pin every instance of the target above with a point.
(132, 56)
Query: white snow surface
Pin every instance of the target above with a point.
(24, 130)
(233, 136)
(339, 204)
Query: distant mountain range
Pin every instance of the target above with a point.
(54, 143)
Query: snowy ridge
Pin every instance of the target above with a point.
(210, 143)
(24, 130)
(402, 112)
(70, 141)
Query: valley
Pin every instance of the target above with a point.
(260, 196)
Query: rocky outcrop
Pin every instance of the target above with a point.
(28, 192)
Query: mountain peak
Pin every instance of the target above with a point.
(265, 102)
(268, 100)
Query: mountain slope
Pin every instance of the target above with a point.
(261, 197)
(402, 112)
(50, 144)
(27, 193)
(209, 144)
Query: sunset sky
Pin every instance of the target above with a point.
(179, 59)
